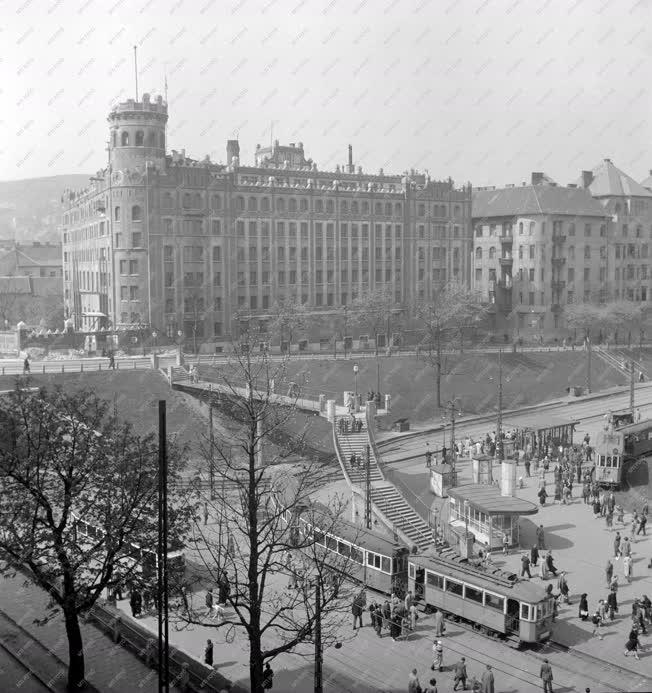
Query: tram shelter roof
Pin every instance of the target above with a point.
(487, 499)
(535, 422)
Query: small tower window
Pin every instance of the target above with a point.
(253, 204)
(151, 139)
(388, 209)
(136, 213)
(186, 200)
(197, 201)
(280, 205)
(292, 205)
(240, 204)
(319, 206)
(216, 202)
(398, 209)
(114, 138)
(124, 139)
(303, 204)
(161, 138)
(264, 204)
(140, 138)
(330, 206)
(116, 213)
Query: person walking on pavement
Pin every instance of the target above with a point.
(413, 682)
(641, 525)
(268, 677)
(487, 680)
(546, 676)
(208, 653)
(626, 547)
(437, 656)
(617, 540)
(358, 606)
(627, 568)
(562, 586)
(550, 565)
(431, 687)
(612, 604)
(111, 361)
(632, 643)
(534, 556)
(26, 366)
(584, 607)
(439, 624)
(459, 674)
(525, 566)
(541, 544)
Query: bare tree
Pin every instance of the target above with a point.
(443, 317)
(66, 464)
(194, 307)
(246, 552)
(372, 312)
(585, 317)
(289, 317)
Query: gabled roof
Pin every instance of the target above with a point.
(647, 183)
(535, 199)
(39, 255)
(610, 181)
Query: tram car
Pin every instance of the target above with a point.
(614, 449)
(366, 557)
(494, 602)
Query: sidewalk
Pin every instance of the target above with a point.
(109, 667)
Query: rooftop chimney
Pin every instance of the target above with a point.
(537, 177)
(587, 178)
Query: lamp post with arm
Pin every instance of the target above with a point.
(355, 375)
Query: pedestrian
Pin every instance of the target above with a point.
(584, 607)
(459, 674)
(540, 538)
(617, 540)
(562, 586)
(641, 525)
(358, 606)
(534, 556)
(612, 604)
(527, 467)
(440, 627)
(395, 625)
(408, 601)
(208, 653)
(414, 616)
(550, 564)
(205, 513)
(627, 568)
(111, 361)
(505, 544)
(620, 514)
(431, 687)
(224, 588)
(525, 566)
(135, 602)
(543, 569)
(413, 682)
(632, 644)
(26, 370)
(626, 547)
(598, 620)
(437, 656)
(488, 680)
(546, 676)
(268, 677)
(634, 525)
(377, 621)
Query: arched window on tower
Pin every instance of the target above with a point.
(240, 203)
(124, 139)
(151, 139)
(303, 204)
(398, 209)
(264, 204)
(478, 253)
(216, 202)
(197, 201)
(344, 206)
(116, 213)
(252, 204)
(280, 205)
(186, 200)
(136, 213)
(492, 253)
(292, 205)
(378, 208)
(355, 207)
(161, 139)
(330, 206)
(140, 138)
(319, 206)
(388, 209)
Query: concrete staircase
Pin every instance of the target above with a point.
(396, 509)
(351, 443)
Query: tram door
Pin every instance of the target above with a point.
(511, 624)
(419, 580)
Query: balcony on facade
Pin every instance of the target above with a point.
(558, 238)
(507, 259)
(558, 286)
(558, 262)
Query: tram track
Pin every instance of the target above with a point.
(23, 655)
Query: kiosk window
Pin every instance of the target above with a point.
(454, 587)
(473, 594)
(494, 602)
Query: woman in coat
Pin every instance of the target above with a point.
(632, 644)
(612, 604)
(439, 623)
(627, 568)
(437, 656)
(584, 607)
(609, 571)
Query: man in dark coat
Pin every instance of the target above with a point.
(358, 606)
(525, 566)
(208, 653)
(546, 676)
(534, 556)
(550, 565)
(488, 680)
(459, 674)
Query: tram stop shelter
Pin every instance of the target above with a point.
(541, 431)
(482, 510)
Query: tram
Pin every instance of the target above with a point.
(620, 445)
(496, 603)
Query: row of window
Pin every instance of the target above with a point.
(154, 139)
(129, 293)
(461, 589)
(507, 229)
(632, 251)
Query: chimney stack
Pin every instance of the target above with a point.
(537, 177)
(587, 178)
(350, 168)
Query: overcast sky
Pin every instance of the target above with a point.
(482, 91)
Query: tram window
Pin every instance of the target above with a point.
(525, 611)
(373, 559)
(454, 587)
(473, 594)
(331, 543)
(343, 549)
(494, 602)
(385, 564)
(319, 537)
(435, 580)
(357, 555)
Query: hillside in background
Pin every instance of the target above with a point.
(29, 208)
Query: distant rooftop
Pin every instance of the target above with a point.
(607, 180)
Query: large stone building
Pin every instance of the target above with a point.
(541, 246)
(176, 244)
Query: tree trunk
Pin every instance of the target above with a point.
(77, 667)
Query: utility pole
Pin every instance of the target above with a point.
(162, 563)
(631, 387)
(499, 422)
(588, 364)
(367, 499)
(211, 442)
(319, 653)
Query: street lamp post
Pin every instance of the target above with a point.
(466, 519)
(155, 337)
(355, 374)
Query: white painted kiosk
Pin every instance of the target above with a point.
(442, 477)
